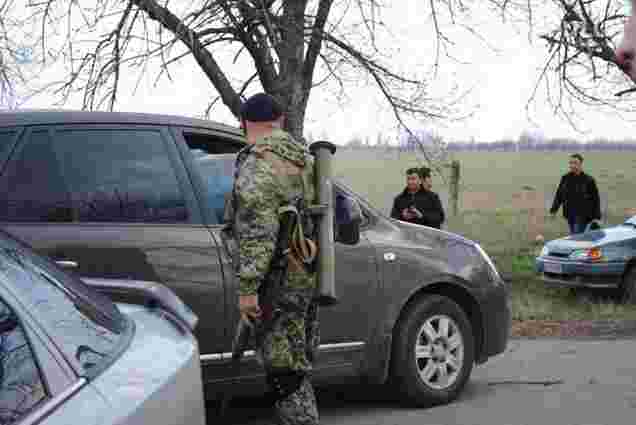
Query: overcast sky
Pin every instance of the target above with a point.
(500, 84)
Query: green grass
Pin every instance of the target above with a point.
(502, 230)
(381, 174)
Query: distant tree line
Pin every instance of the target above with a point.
(509, 145)
(548, 145)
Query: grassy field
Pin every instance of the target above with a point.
(491, 213)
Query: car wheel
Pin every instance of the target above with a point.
(433, 352)
(629, 286)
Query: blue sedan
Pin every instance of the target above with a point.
(602, 258)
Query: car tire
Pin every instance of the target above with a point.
(629, 286)
(422, 352)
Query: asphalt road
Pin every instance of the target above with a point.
(545, 381)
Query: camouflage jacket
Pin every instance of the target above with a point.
(269, 174)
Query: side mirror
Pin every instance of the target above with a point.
(348, 216)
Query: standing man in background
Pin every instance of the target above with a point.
(437, 216)
(578, 194)
(417, 204)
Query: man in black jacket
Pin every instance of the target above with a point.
(417, 203)
(579, 195)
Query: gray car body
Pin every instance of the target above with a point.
(393, 265)
(154, 378)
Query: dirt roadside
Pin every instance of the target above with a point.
(610, 329)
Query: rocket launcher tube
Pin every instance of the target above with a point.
(325, 273)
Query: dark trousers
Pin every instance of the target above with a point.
(577, 225)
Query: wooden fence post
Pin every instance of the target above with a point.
(454, 186)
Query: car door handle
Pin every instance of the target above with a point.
(67, 264)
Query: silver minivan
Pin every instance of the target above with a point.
(68, 355)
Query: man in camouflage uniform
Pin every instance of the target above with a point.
(272, 171)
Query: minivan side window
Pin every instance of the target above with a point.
(21, 385)
(120, 175)
(214, 159)
(31, 187)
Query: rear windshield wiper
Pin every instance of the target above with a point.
(85, 308)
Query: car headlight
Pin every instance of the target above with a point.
(489, 262)
(591, 254)
(544, 252)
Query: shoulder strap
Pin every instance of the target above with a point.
(242, 155)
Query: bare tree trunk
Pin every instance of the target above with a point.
(294, 123)
(291, 51)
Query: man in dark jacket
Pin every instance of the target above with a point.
(417, 203)
(579, 195)
(437, 210)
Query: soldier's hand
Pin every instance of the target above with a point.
(248, 307)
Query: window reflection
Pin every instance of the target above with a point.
(81, 339)
(217, 171)
(32, 188)
(21, 387)
(120, 176)
(92, 176)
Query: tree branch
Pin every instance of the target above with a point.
(117, 53)
(216, 31)
(261, 55)
(201, 55)
(315, 43)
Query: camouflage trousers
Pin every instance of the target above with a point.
(287, 344)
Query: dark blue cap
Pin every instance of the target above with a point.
(261, 107)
